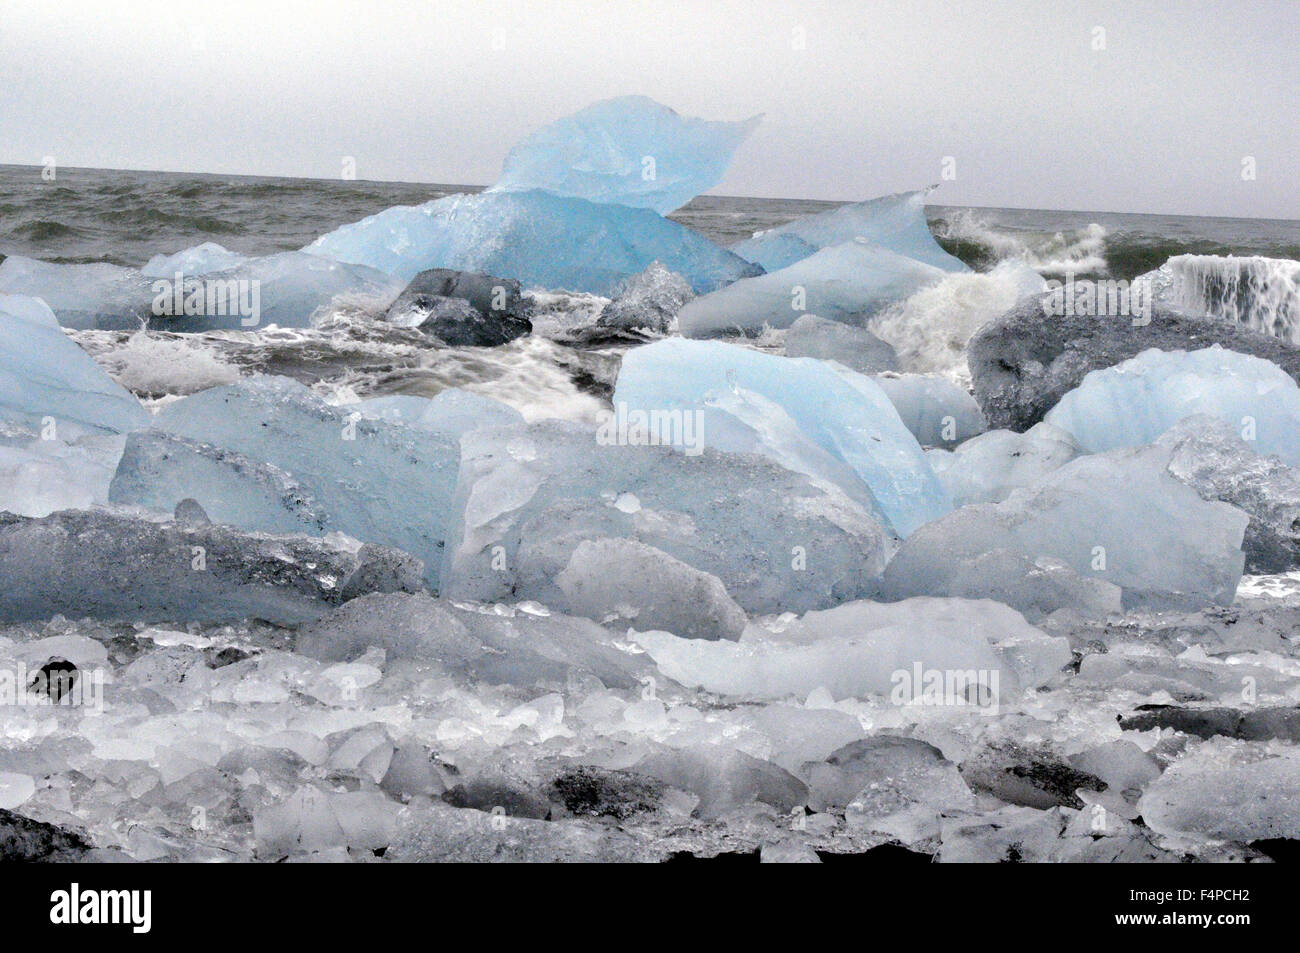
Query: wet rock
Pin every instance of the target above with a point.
(1024, 362)
(596, 792)
(491, 310)
(26, 841)
(1261, 724)
(1027, 777)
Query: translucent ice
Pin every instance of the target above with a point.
(529, 495)
(377, 481)
(799, 411)
(849, 283)
(896, 222)
(1133, 403)
(622, 582)
(934, 409)
(198, 260)
(93, 563)
(986, 468)
(626, 151)
(452, 411)
(47, 380)
(539, 239)
(38, 477)
(866, 649)
(855, 348)
(1118, 517)
(649, 300)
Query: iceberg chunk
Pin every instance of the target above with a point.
(453, 411)
(868, 649)
(832, 424)
(649, 300)
(986, 468)
(625, 151)
(111, 566)
(855, 348)
(198, 260)
(50, 385)
(539, 239)
(896, 222)
(848, 283)
(934, 409)
(1133, 403)
(528, 496)
(1118, 517)
(38, 477)
(379, 482)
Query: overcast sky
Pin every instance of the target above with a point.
(861, 97)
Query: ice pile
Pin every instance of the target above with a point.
(626, 151)
(1135, 402)
(832, 424)
(268, 454)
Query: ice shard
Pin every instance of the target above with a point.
(831, 424)
(850, 283)
(896, 222)
(50, 385)
(629, 151)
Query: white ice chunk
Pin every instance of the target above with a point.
(934, 409)
(1133, 403)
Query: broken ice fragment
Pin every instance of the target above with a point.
(627, 151)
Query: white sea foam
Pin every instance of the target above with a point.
(1262, 293)
(1079, 251)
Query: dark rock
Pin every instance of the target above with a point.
(596, 792)
(1260, 724)
(190, 513)
(1027, 777)
(496, 793)
(24, 840)
(1022, 363)
(496, 311)
(227, 656)
(55, 679)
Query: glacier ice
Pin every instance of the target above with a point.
(626, 151)
(896, 222)
(527, 496)
(649, 300)
(1133, 403)
(378, 481)
(462, 309)
(622, 583)
(285, 289)
(115, 566)
(867, 649)
(49, 384)
(855, 348)
(38, 477)
(1209, 456)
(539, 239)
(833, 424)
(986, 468)
(1118, 517)
(529, 652)
(452, 411)
(848, 283)
(199, 260)
(933, 408)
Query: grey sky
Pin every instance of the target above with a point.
(860, 97)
